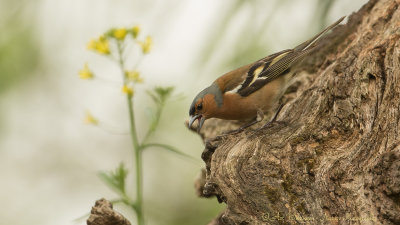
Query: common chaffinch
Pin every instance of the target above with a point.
(245, 92)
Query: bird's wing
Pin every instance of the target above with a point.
(265, 71)
(273, 66)
(258, 70)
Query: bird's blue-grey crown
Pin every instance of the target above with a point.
(212, 89)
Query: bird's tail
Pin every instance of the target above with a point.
(309, 43)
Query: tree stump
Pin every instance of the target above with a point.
(102, 213)
(333, 155)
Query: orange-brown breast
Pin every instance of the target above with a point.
(236, 107)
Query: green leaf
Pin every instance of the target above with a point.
(116, 179)
(153, 96)
(160, 94)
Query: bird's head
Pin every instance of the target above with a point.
(204, 105)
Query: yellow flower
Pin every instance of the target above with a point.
(92, 44)
(128, 90)
(85, 73)
(103, 46)
(120, 33)
(134, 76)
(100, 46)
(89, 119)
(146, 45)
(135, 31)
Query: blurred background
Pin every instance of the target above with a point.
(49, 158)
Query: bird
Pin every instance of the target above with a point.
(253, 89)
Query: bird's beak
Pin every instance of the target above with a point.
(194, 118)
(201, 121)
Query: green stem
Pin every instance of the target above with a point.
(139, 187)
(160, 146)
(138, 207)
(135, 140)
(138, 163)
(167, 147)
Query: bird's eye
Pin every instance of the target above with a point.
(200, 106)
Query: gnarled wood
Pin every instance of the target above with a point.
(103, 214)
(333, 155)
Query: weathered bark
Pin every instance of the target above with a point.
(103, 214)
(333, 155)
